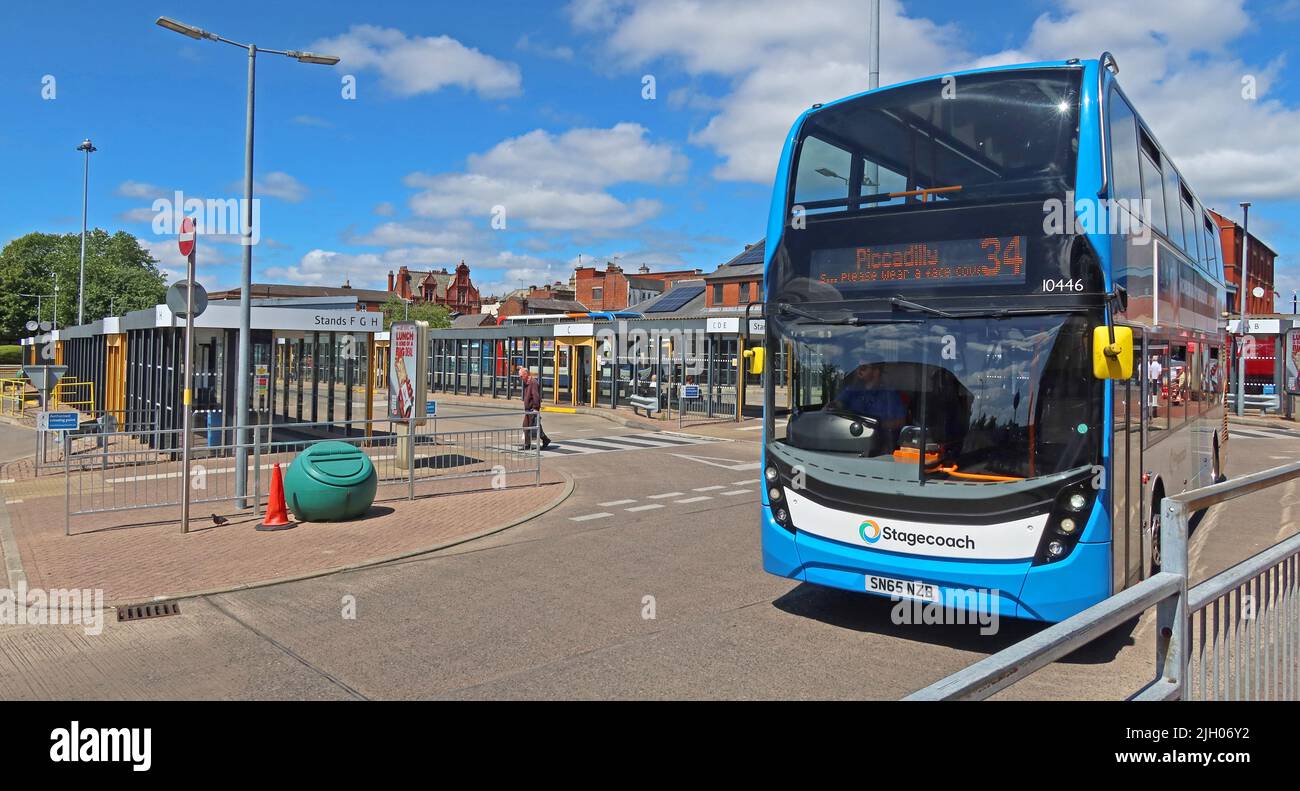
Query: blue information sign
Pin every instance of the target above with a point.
(690, 391)
(430, 408)
(60, 421)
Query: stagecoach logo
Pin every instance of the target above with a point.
(870, 531)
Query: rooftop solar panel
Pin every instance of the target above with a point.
(675, 299)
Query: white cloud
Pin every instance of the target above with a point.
(311, 120)
(411, 65)
(385, 209)
(278, 184)
(781, 57)
(554, 182)
(138, 189)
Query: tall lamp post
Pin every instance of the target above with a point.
(89, 148)
(1240, 396)
(246, 276)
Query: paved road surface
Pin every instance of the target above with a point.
(557, 608)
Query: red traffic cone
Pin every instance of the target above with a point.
(277, 515)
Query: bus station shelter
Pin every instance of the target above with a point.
(310, 362)
(585, 363)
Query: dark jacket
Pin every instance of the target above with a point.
(533, 394)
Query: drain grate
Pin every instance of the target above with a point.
(139, 612)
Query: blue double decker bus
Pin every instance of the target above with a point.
(993, 342)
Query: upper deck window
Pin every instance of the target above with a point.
(977, 138)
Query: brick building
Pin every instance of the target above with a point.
(611, 289)
(453, 290)
(1259, 268)
(736, 283)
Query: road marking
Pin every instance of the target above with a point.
(650, 507)
(708, 488)
(662, 496)
(714, 461)
(745, 483)
(12, 502)
(690, 500)
(588, 517)
(736, 492)
(615, 502)
(7, 480)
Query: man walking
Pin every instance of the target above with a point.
(532, 405)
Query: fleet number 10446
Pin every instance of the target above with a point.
(1052, 286)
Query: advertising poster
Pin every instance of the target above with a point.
(1292, 353)
(404, 372)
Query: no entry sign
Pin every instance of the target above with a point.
(186, 239)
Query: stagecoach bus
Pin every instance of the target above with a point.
(992, 341)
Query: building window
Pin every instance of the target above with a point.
(744, 293)
(598, 293)
(717, 293)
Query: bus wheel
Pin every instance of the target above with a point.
(1155, 533)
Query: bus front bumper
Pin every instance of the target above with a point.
(1050, 592)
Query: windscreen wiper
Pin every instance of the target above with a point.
(906, 304)
(790, 310)
(848, 321)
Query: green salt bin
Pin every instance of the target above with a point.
(330, 481)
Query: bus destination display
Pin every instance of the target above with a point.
(993, 260)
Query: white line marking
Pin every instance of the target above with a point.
(587, 517)
(12, 502)
(7, 480)
(690, 500)
(735, 492)
(662, 496)
(650, 507)
(615, 502)
(745, 483)
(708, 488)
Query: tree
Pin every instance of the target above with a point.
(395, 309)
(121, 276)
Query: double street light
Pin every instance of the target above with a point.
(246, 278)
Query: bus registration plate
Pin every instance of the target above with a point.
(905, 589)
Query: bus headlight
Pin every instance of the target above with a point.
(1076, 502)
(782, 516)
(1055, 549)
(771, 474)
(1066, 526)
(774, 493)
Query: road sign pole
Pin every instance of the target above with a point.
(188, 418)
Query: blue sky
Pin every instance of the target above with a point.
(539, 108)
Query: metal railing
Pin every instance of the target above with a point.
(1235, 635)
(140, 470)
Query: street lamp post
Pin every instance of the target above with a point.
(89, 148)
(246, 275)
(1241, 326)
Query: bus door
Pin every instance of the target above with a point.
(1126, 474)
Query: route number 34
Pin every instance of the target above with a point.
(1051, 286)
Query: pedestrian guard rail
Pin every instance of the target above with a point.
(112, 471)
(1234, 636)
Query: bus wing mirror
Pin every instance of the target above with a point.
(754, 358)
(1112, 360)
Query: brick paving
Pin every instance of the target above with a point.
(140, 554)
